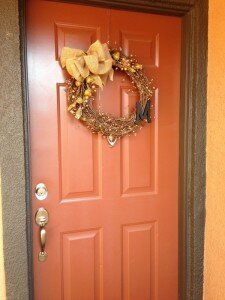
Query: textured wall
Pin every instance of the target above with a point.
(214, 288)
(11, 154)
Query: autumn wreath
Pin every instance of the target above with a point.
(90, 70)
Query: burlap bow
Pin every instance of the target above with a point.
(97, 62)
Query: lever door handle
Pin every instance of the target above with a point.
(41, 218)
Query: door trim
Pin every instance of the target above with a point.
(192, 176)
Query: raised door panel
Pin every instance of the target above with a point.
(145, 46)
(82, 265)
(139, 153)
(75, 36)
(140, 261)
(80, 161)
(79, 156)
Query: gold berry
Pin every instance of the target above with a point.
(132, 70)
(89, 79)
(71, 106)
(116, 55)
(78, 83)
(138, 67)
(79, 100)
(87, 92)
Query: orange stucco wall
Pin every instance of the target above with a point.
(214, 286)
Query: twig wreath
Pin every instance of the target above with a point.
(91, 70)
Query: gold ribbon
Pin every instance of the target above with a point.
(97, 62)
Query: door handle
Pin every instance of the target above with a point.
(41, 218)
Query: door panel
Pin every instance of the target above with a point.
(139, 261)
(77, 182)
(83, 251)
(113, 212)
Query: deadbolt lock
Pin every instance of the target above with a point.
(41, 191)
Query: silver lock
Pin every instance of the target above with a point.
(41, 191)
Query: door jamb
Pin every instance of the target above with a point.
(192, 175)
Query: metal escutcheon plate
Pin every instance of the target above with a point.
(41, 217)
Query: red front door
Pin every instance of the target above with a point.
(113, 212)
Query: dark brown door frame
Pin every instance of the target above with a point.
(194, 14)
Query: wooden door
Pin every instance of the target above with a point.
(113, 212)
